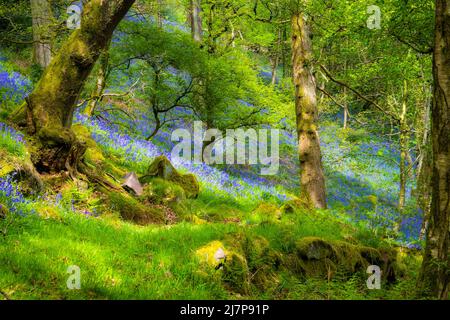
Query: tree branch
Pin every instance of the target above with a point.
(360, 95)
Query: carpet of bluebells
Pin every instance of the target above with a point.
(362, 178)
(13, 86)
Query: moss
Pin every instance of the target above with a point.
(94, 156)
(312, 248)
(267, 212)
(189, 183)
(349, 257)
(48, 212)
(295, 205)
(196, 220)
(5, 168)
(131, 209)
(161, 191)
(23, 172)
(319, 258)
(165, 193)
(162, 168)
(210, 254)
(263, 262)
(236, 273)
(3, 211)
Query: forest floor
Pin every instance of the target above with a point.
(274, 250)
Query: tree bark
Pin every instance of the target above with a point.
(424, 169)
(196, 20)
(435, 271)
(41, 13)
(159, 13)
(311, 172)
(403, 153)
(48, 111)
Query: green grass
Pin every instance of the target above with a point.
(9, 144)
(122, 261)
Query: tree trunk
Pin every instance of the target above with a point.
(312, 178)
(159, 13)
(435, 271)
(403, 153)
(101, 83)
(196, 20)
(274, 70)
(42, 18)
(48, 111)
(424, 169)
(346, 112)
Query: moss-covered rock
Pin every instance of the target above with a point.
(162, 168)
(267, 212)
(131, 209)
(236, 273)
(263, 262)
(385, 258)
(312, 248)
(315, 257)
(295, 205)
(161, 191)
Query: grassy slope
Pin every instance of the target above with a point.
(123, 261)
(119, 260)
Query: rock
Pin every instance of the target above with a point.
(162, 168)
(131, 183)
(313, 248)
(164, 192)
(3, 211)
(131, 209)
(236, 273)
(317, 257)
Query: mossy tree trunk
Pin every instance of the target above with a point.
(435, 272)
(48, 111)
(311, 172)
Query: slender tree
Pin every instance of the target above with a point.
(196, 20)
(42, 18)
(404, 132)
(435, 273)
(311, 176)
